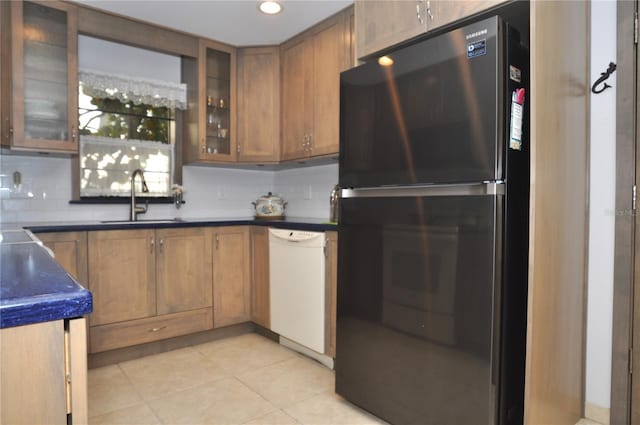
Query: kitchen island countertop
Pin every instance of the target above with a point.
(34, 288)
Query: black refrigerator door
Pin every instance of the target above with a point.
(415, 327)
(434, 116)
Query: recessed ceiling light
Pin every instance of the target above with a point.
(385, 61)
(270, 7)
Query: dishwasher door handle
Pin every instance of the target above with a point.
(295, 236)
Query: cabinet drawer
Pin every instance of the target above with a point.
(118, 335)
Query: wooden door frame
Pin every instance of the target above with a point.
(626, 259)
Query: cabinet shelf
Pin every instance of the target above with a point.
(214, 108)
(62, 84)
(218, 139)
(224, 80)
(43, 44)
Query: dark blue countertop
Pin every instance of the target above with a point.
(34, 288)
(293, 223)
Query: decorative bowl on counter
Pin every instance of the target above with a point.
(269, 207)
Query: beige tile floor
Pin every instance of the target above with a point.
(242, 380)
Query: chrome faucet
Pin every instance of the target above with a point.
(135, 210)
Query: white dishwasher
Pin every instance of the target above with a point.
(297, 285)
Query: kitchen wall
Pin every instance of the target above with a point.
(116, 58)
(45, 192)
(602, 217)
(307, 189)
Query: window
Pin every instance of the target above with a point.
(126, 124)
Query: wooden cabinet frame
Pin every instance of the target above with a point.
(165, 304)
(13, 68)
(135, 298)
(70, 250)
(44, 373)
(625, 370)
(311, 66)
(260, 294)
(258, 104)
(194, 74)
(231, 275)
(331, 293)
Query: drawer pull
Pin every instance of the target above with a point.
(157, 329)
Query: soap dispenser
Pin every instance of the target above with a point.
(334, 201)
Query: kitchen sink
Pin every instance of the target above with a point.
(146, 221)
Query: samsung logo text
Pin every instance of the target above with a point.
(476, 34)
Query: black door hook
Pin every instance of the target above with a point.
(603, 77)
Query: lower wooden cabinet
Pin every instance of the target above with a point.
(331, 292)
(231, 275)
(44, 373)
(70, 250)
(133, 332)
(149, 285)
(260, 302)
(183, 270)
(122, 275)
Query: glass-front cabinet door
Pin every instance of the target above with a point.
(217, 102)
(44, 105)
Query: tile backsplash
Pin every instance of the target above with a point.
(45, 191)
(307, 190)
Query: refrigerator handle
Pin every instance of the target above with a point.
(498, 276)
(419, 15)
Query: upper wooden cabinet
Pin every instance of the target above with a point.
(383, 23)
(232, 275)
(297, 104)
(210, 122)
(311, 66)
(259, 104)
(39, 76)
(447, 11)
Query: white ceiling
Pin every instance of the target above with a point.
(237, 22)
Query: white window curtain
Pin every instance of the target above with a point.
(133, 89)
(106, 166)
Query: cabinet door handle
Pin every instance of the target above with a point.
(152, 243)
(161, 244)
(157, 329)
(310, 142)
(418, 13)
(217, 241)
(429, 14)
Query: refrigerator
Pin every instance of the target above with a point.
(433, 230)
